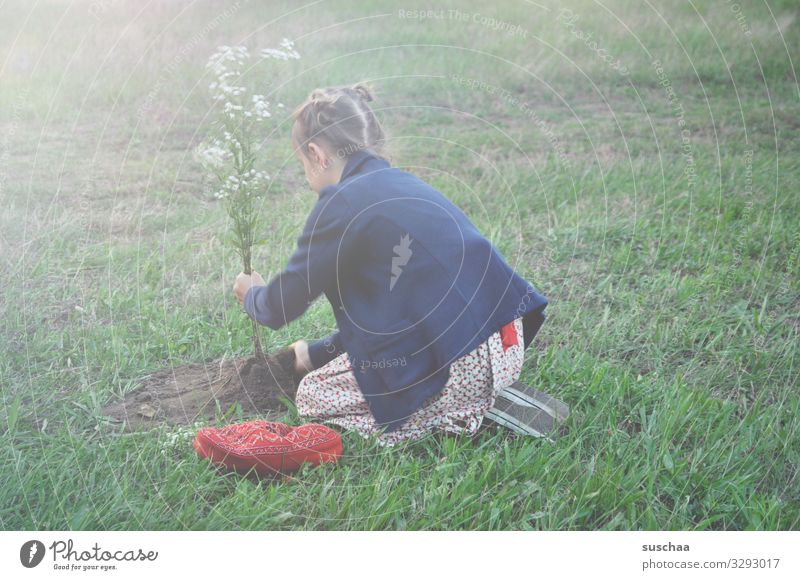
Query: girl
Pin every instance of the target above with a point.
(432, 321)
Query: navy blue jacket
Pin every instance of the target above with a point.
(413, 285)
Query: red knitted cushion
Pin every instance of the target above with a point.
(267, 446)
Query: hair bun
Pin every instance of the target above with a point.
(321, 97)
(340, 118)
(363, 91)
(320, 101)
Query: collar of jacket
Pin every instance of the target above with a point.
(354, 163)
(352, 166)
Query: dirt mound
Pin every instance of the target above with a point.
(188, 393)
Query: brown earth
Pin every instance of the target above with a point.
(185, 394)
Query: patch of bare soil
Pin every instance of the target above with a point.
(188, 393)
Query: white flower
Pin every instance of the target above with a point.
(179, 438)
(211, 156)
(285, 54)
(231, 107)
(261, 106)
(227, 54)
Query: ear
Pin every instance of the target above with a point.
(317, 154)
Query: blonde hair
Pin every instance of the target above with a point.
(341, 118)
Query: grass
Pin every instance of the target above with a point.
(671, 267)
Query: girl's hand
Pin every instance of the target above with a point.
(244, 282)
(302, 361)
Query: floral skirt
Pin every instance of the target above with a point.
(331, 394)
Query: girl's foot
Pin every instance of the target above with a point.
(522, 419)
(527, 411)
(523, 394)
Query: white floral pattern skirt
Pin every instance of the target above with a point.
(331, 394)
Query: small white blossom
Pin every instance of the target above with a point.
(287, 53)
(180, 438)
(261, 106)
(212, 156)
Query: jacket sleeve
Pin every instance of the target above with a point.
(322, 250)
(324, 350)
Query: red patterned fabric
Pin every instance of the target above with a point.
(509, 335)
(268, 446)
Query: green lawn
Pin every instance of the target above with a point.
(670, 259)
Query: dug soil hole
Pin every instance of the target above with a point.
(185, 394)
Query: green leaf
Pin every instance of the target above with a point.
(13, 414)
(668, 463)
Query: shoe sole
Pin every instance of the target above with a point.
(523, 419)
(523, 394)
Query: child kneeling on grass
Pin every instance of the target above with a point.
(432, 321)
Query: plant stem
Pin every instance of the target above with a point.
(257, 350)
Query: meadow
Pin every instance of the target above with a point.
(638, 161)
